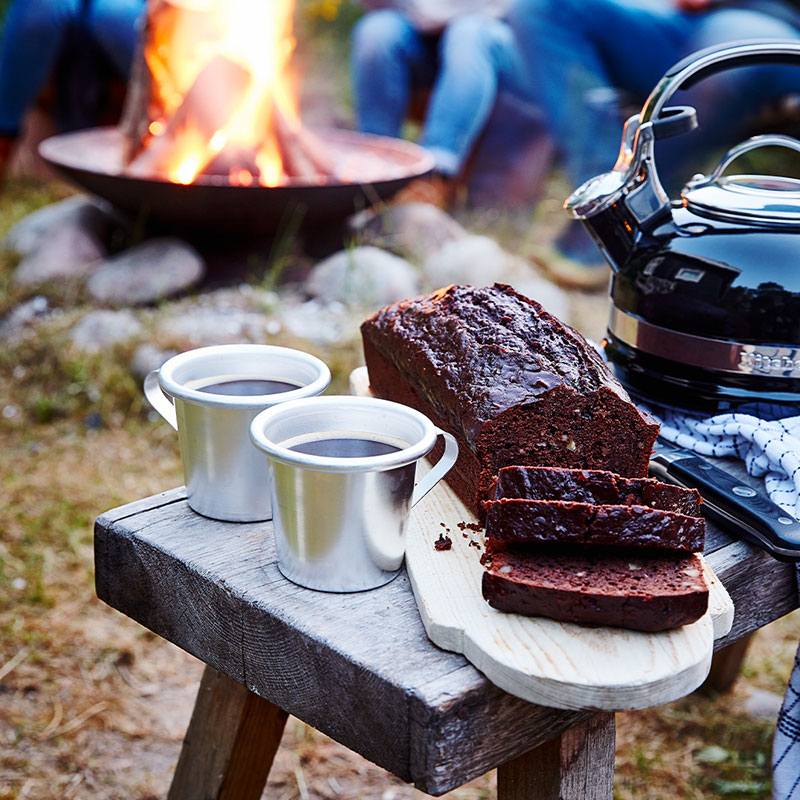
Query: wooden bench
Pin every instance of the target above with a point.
(358, 667)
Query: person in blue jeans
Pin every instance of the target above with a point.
(33, 34)
(585, 55)
(462, 51)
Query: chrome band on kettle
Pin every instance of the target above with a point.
(700, 351)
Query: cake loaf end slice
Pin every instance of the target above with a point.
(645, 594)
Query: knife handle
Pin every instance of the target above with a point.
(728, 500)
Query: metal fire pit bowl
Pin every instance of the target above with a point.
(92, 159)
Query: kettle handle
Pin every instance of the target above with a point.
(634, 177)
(754, 142)
(714, 59)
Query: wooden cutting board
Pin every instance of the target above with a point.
(540, 660)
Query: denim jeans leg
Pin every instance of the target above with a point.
(33, 34)
(477, 55)
(388, 57)
(579, 52)
(115, 26)
(727, 103)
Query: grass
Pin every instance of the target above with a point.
(94, 706)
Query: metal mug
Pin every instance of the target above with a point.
(225, 475)
(340, 520)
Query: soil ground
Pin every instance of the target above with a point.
(93, 706)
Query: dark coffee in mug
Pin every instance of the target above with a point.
(242, 386)
(334, 446)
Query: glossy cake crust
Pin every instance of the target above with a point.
(519, 520)
(593, 486)
(511, 382)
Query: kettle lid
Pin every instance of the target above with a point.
(764, 199)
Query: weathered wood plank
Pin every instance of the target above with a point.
(462, 726)
(230, 744)
(762, 588)
(156, 501)
(579, 765)
(214, 590)
(427, 715)
(726, 665)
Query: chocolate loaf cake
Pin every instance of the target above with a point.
(512, 520)
(640, 593)
(511, 382)
(593, 486)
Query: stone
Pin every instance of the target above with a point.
(151, 271)
(413, 229)
(472, 260)
(480, 261)
(100, 330)
(762, 704)
(364, 278)
(147, 358)
(200, 327)
(90, 214)
(69, 252)
(320, 323)
(22, 316)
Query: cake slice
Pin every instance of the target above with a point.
(599, 487)
(512, 520)
(644, 593)
(512, 383)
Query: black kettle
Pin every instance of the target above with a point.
(705, 292)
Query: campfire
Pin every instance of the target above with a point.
(211, 137)
(212, 95)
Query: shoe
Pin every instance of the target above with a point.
(570, 274)
(7, 143)
(437, 189)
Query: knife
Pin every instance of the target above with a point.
(726, 500)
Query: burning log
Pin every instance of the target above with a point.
(231, 121)
(207, 107)
(135, 113)
(303, 154)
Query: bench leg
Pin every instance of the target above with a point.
(579, 765)
(230, 744)
(726, 665)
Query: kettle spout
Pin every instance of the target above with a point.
(617, 205)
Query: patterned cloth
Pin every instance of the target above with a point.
(767, 439)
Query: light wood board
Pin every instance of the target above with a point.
(537, 659)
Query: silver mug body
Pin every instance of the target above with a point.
(340, 523)
(226, 477)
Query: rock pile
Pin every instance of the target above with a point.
(140, 295)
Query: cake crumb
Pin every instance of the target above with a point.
(473, 543)
(472, 526)
(443, 543)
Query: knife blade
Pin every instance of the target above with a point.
(739, 508)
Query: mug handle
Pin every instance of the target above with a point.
(439, 470)
(159, 401)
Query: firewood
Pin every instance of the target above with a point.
(303, 154)
(207, 107)
(135, 118)
(233, 157)
(142, 102)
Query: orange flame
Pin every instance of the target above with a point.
(184, 36)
